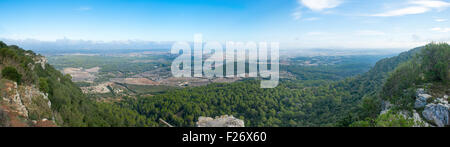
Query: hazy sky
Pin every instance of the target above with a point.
(294, 23)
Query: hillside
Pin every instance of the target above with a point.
(33, 92)
(364, 103)
(416, 92)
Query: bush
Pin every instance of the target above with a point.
(43, 85)
(392, 119)
(2, 45)
(436, 58)
(11, 74)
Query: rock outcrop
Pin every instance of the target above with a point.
(25, 104)
(418, 120)
(435, 110)
(437, 113)
(41, 60)
(421, 98)
(220, 121)
(38, 59)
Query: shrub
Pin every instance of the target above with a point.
(2, 45)
(436, 58)
(43, 85)
(11, 74)
(392, 119)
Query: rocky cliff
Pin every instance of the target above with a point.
(24, 106)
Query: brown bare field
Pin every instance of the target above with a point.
(134, 81)
(82, 75)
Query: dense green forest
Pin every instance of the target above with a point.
(353, 101)
(293, 103)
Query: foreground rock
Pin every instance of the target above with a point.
(435, 110)
(437, 113)
(22, 106)
(421, 98)
(220, 121)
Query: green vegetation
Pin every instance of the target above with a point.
(326, 95)
(72, 107)
(125, 66)
(259, 107)
(11, 74)
(328, 72)
(389, 119)
(293, 103)
(43, 85)
(148, 89)
(77, 110)
(430, 65)
(331, 67)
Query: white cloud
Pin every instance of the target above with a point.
(404, 11)
(319, 5)
(315, 5)
(416, 7)
(443, 30)
(431, 3)
(440, 20)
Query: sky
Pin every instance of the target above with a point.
(295, 24)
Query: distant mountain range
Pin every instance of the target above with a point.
(64, 45)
